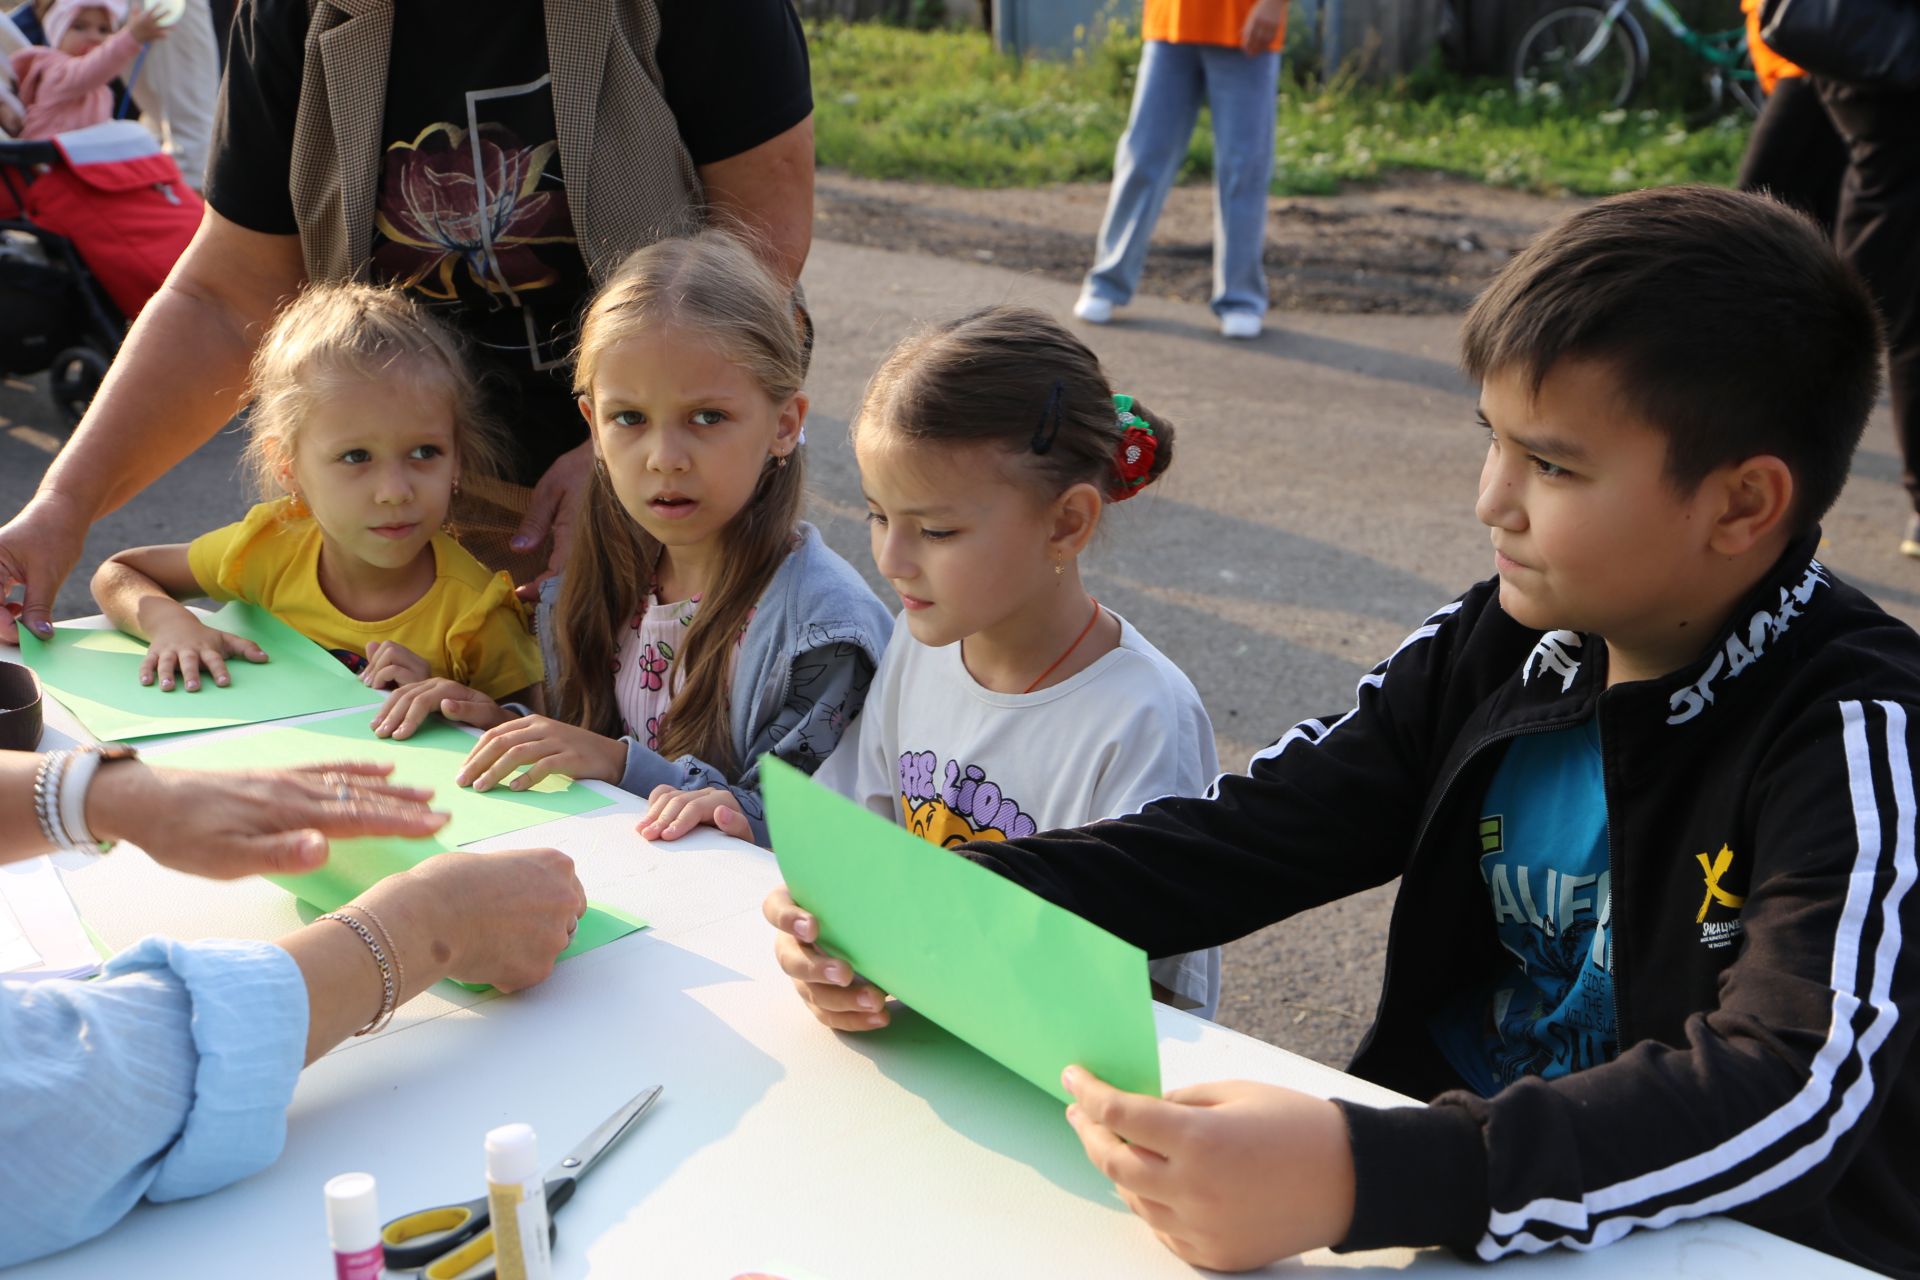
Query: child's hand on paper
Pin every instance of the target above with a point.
(228, 825)
(1230, 1175)
(408, 707)
(837, 995)
(185, 645)
(543, 746)
(391, 664)
(671, 813)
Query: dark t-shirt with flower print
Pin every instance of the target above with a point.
(471, 210)
(471, 214)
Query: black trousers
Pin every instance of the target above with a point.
(1877, 229)
(1794, 153)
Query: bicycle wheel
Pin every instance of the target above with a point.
(1576, 56)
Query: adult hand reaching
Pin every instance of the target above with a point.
(38, 549)
(552, 511)
(227, 825)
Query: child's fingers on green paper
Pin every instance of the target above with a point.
(784, 914)
(1154, 1123)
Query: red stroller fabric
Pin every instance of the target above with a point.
(122, 203)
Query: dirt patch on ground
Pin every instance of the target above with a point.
(1418, 244)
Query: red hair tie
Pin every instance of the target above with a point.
(1133, 459)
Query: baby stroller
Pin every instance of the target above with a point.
(90, 223)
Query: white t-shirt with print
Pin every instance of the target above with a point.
(953, 761)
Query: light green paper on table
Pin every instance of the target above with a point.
(1024, 981)
(96, 676)
(430, 758)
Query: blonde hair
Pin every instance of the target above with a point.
(713, 284)
(1016, 378)
(334, 333)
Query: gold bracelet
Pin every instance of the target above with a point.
(386, 936)
(387, 989)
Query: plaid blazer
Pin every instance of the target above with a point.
(629, 178)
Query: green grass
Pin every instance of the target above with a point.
(942, 106)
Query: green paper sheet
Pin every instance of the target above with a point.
(1026, 982)
(96, 676)
(430, 758)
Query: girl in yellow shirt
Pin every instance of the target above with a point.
(364, 419)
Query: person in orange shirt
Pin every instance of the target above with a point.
(1224, 54)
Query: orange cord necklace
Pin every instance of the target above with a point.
(1084, 632)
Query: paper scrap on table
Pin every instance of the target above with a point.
(431, 758)
(96, 676)
(1026, 982)
(41, 935)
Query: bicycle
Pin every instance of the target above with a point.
(1594, 56)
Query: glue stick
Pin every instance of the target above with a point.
(353, 1227)
(517, 1203)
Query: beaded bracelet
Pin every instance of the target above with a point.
(388, 991)
(46, 796)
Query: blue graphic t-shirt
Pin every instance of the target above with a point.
(1543, 840)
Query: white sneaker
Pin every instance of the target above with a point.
(1240, 324)
(1093, 309)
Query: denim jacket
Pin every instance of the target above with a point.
(801, 676)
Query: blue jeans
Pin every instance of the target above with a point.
(1174, 80)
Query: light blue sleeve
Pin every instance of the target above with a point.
(168, 1076)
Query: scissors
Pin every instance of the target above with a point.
(449, 1239)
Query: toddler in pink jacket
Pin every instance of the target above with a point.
(63, 84)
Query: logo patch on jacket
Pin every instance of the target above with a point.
(1551, 654)
(1715, 934)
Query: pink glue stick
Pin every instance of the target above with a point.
(353, 1227)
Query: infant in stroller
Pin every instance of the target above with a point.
(91, 221)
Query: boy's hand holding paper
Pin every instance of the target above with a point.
(1023, 980)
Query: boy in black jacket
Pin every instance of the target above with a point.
(1649, 792)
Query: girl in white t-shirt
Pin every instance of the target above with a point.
(1009, 700)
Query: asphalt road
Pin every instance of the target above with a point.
(1319, 507)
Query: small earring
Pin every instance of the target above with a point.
(1059, 568)
(780, 461)
(456, 486)
(295, 507)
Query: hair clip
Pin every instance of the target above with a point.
(1049, 428)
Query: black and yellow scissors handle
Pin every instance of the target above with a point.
(448, 1240)
(453, 1239)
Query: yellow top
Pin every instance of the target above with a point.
(1202, 22)
(468, 626)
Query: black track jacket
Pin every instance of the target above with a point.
(1765, 1003)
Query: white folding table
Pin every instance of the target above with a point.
(777, 1145)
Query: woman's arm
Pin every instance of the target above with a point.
(180, 375)
(170, 1075)
(769, 191)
